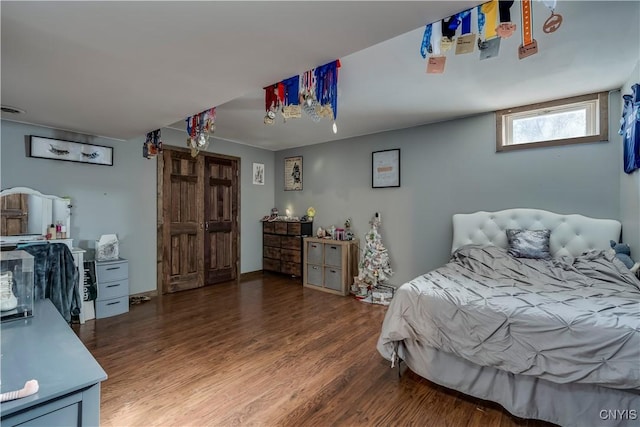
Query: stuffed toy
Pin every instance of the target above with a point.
(623, 253)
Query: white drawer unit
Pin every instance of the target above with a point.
(329, 265)
(113, 288)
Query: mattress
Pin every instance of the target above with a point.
(565, 320)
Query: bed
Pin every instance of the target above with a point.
(554, 339)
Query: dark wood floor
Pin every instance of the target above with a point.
(264, 352)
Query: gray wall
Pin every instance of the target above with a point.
(629, 184)
(446, 168)
(122, 199)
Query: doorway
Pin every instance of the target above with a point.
(198, 219)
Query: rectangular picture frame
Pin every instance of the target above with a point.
(385, 168)
(258, 173)
(293, 173)
(69, 151)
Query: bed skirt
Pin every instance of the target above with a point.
(569, 405)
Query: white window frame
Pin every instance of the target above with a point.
(596, 105)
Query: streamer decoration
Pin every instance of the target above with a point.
(529, 45)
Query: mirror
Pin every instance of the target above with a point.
(26, 214)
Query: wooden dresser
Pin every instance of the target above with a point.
(282, 246)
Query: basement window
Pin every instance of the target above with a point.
(564, 121)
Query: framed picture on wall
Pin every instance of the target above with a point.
(58, 149)
(293, 173)
(385, 168)
(258, 173)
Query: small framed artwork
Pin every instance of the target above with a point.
(385, 168)
(258, 173)
(58, 149)
(293, 173)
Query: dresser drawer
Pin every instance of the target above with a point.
(268, 227)
(290, 255)
(333, 254)
(108, 272)
(314, 253)
(281, 228)
(293, 229)
(270, 264)
(291, 243)
(333, 278)
(270, 252)
(112, 307)
(109, 290)
(271, 240)
(314, 275)
(290, 268)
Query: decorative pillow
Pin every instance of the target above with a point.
(529, 243)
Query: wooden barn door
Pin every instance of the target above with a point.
(198, 232)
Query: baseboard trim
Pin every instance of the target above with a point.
(251, 275)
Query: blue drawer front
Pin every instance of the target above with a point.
(112, 307)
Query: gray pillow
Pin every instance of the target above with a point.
(529, 243)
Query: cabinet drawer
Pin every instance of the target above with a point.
(290, 268)
(112, 307)
(333, 278)
(268, 227)
(314, 275)
(270, 252)
(314, 253)
(281, 227)
(108, 272)
(109, 290)
(290, 243)
(333, 255)
(271, 240)
(290, 255)
(293, 228)
(270, 264)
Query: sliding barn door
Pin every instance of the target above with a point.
(182, 212)
(221, 219)
(198, 208)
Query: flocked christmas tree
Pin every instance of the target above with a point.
(374, 265)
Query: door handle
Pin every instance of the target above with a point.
(206, 226)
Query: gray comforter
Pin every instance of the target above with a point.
(564, 319)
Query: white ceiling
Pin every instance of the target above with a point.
(121, 69)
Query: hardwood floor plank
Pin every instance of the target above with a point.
(264, 352)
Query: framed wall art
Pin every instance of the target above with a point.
(58, 149)
(258, 173)
(293, 173)
(385, 168)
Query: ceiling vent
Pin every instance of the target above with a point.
(11, 110)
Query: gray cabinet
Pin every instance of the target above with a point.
(113, 288)
(329, 265)
(45, 348)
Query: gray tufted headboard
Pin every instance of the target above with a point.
(570, 234)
